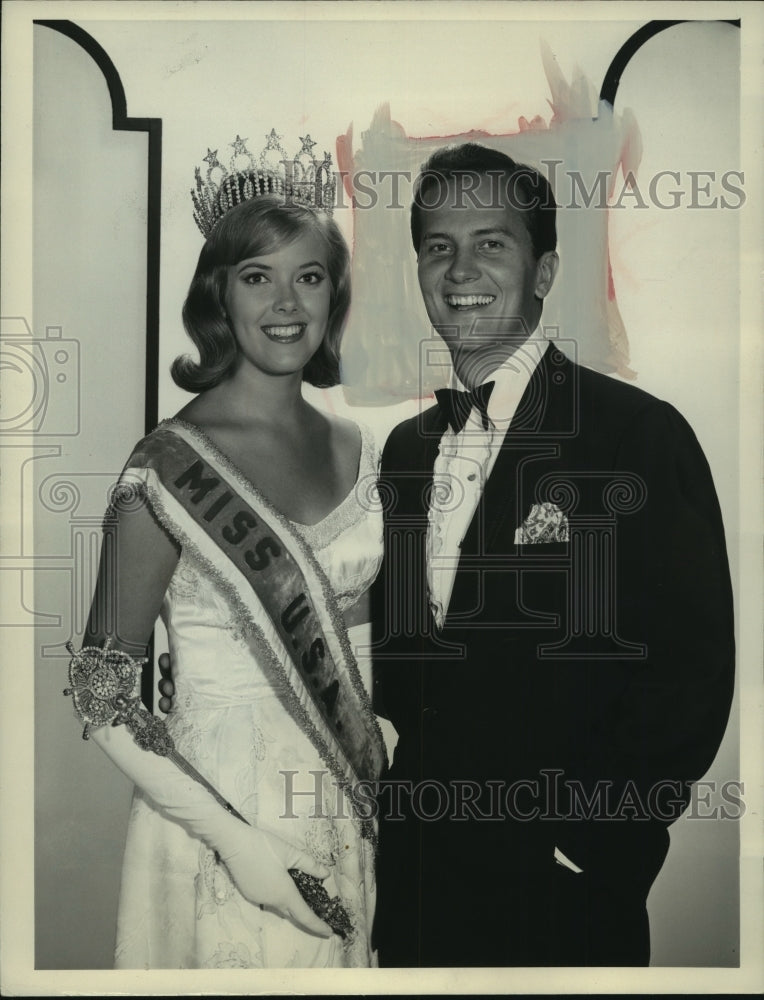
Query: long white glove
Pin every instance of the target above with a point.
(257, 860)
(132, 582)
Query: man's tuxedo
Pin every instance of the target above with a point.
(575, 691)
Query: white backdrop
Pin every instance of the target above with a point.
(443, 70)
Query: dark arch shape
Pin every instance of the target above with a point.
(615, 70)
(153, 126)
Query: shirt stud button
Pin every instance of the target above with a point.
(472, 477)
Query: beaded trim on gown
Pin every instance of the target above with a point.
(178, 906)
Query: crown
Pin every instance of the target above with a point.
(302, 180)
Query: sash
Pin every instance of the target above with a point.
(273, 580)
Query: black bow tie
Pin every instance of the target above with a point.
(456, 405)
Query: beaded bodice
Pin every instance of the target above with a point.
(348, 542)
(199, 616)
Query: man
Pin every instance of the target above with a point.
(553, 622)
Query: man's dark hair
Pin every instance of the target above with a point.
(524, 188)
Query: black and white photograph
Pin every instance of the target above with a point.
(381, 486)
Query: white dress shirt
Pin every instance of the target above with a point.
(464, 463)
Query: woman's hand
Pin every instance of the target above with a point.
(258, 863)
(257, 860)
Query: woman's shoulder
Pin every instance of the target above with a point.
(198, 411)
(195, 422)
(164, 440)
(353, 435)
(344, 428)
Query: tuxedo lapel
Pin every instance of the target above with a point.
(527, 437)
(432, 425)
(541, 418)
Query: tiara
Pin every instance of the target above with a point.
(302, 180)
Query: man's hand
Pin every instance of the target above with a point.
(166, 685)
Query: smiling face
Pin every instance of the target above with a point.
(278, 305)
(479, 278)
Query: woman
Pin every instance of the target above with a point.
(241, 521)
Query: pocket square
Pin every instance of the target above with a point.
(545, 523)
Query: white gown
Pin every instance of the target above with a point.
(178, 906)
